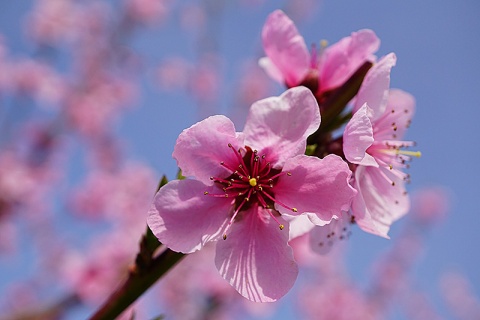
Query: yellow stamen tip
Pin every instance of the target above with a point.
(253, 182)
(205, 193)
(281, 227)
(294, 209)
(416, 154)
(224, 237)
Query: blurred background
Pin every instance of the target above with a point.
(93, 95)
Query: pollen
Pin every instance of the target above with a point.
(252, 182)
(416, 154)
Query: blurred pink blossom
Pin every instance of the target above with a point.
(94, 109)
(431, 204)
(93, 274)
(52, 21)
(173, 74)
(37, 79)
(459, 296)
(147, 11)
(117, 196)
(193, 17)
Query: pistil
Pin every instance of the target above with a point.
(250, 183)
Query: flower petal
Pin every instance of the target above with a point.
(299, 225)
(343, 58)
(322, 239)
(317, 187)
(401, 105)
(358, 137)
(184, 219)
(279, 126)
(271, 69)
(200, 148)
(380, 201)
(375, 86)
(285, 48)
(256, 259)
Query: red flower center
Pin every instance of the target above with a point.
(251, 182)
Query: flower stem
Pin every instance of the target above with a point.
(142, 276)
(147, 269)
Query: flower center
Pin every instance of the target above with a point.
(251, 182)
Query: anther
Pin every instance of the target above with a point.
(224, 236)
(294, 209)
(205, 193)
(289, 174)
(281, 227)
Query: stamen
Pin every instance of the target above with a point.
(394, 150)
(416, 154)
(253, 182)
(280, 226)
(280, 203)
(233, 218)
(238, 155)
(280, 174)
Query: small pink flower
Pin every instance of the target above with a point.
(244, 182)
(289, 61)
(372, 141)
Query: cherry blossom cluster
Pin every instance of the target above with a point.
(252, 192)
(264, 208)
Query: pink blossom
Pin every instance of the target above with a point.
(173, 73)
(459, 295)
(372, 141)
(38, 80)
(92, 110)
(116, 196)
(244, 183)
(53, 20)
(289, 61)
(146, 11)
(93, 275)
(431, 204)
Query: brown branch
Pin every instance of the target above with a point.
(54, 311)
(139, 281)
